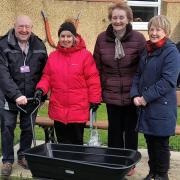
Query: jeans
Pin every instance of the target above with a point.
(7, 134)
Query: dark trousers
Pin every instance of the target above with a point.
(159, 154)
(71, 133)
(9, 119)
(0, 117)
(122, 124)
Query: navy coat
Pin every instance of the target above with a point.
(156, 81)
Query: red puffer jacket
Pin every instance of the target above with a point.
(73, 80)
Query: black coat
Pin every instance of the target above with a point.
(14, 83)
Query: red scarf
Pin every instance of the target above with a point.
(153, 46)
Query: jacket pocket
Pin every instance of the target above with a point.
(159, 109)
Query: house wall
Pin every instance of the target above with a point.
(93, 16)
(171, 8)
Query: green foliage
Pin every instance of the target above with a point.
(101, 113)
(102, 136)
(175, 143)
(43, 111)
(178, 116)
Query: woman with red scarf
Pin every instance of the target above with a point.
(154, 93)
(73, 80)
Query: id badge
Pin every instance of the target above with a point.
(24, 69)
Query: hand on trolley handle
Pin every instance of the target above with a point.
(36, 101)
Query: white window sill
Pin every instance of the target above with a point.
(140, 26)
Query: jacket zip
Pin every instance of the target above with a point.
(24, 64)
(120, 83)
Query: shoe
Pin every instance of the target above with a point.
(23, 163)
(150, 176)
(6, 169)
(164, 177)
(131, 172)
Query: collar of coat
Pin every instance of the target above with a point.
(12, 40)
(151, 47)
(159, 50)
(110, 34)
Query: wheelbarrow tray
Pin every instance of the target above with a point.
(76, 162)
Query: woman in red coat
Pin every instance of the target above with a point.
(73, 80)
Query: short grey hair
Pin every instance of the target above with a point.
(162, 22)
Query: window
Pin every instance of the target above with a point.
(143, 11)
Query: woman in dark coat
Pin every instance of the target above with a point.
(116, 53)
(154, 92)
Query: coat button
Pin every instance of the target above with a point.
(165, 102)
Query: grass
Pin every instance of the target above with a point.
(101, 115)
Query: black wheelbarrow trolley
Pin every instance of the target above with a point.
(76, 162)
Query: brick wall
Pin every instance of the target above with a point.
(93, 16)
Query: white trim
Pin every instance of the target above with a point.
(159, 7)
(140, 26)
(143, 25)
(143, 3)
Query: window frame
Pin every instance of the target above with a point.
(143, 25)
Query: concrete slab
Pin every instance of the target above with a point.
(141, 169)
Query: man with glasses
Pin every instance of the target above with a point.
(22, 59)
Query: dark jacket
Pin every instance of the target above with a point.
(15, 83)
(116, 75)
(156, 82)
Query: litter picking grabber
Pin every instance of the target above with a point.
(94, 135)
(38, 102)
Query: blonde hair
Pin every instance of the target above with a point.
(122, 6)
(162, 22)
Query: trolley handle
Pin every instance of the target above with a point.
(31, 114)
(30, 99)
(92, 118)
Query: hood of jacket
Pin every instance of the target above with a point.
(80, 44)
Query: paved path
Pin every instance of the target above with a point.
(141, 169)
